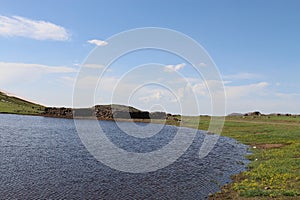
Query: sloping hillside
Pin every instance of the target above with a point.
(15, 105)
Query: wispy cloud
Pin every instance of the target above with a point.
(94, 66)
(250, 90)
(202, 64)
(242, 76)
(98, 42)
(39, 67)
(68, 80)
(17, 72)
(287, 95)
(155, 96)
(232, 92)
(174, 68)
(35, 29)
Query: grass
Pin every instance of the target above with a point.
(14, 105)
(275, 168)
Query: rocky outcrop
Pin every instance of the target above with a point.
(104, 112)
(235, 115)
(58, 112)
(158, 115)
(255, 113)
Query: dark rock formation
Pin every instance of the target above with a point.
(158, 115)
(58, 112)
(84, 112)
(139, 115)
(104, 112)
(256, 113)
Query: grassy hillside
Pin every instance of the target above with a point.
(117, 107)
(14, 105)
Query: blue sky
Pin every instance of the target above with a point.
(255, 45)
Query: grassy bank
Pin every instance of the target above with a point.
(275, 168)
(14, 105)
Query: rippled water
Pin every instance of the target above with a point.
(43, 158)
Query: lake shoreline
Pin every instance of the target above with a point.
(250, 131)
(282, 135)
(153, 121)
(203, 163)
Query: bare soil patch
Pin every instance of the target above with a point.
(269, 146)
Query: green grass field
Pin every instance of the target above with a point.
(275, 168)
(16, 105)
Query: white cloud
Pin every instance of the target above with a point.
(202, 64)
(68, 80)
(35, 29)
(232, 92)
(201, 89)
(287, 95)
(256, 89)
(242, 76)
(208, 87)
(155, 96)
(106, 83)
(98, 42)
(18, 72)
(94, 66)
(45, 68)
(174, 68)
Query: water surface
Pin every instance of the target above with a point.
(44, 158)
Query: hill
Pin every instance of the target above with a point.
(15, 105)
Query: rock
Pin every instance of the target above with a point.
(235, 115)
(105, 112)
(255, 113)
(158, 115)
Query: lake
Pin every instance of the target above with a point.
(44, 158)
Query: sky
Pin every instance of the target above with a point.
(255, 46)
